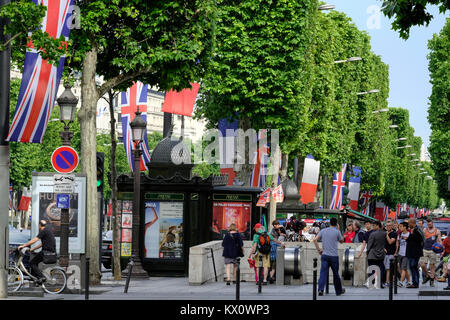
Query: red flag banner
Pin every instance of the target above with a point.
(182, 102)
(25, 200)
(263, 198)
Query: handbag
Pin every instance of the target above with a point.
(48, 257)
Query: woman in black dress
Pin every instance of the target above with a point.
(231, 244)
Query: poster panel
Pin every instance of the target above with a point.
(226, 213)
(127, 219)
(163, 230)
(44, 207)
(126, 235)
(125, 249)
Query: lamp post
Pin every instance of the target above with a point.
(327, 7)
(138, 130)
(368, 92)
(67, 102)
(404, 147)
(348, 60)
(381, 110)
(393, 126)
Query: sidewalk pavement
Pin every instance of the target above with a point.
(178, 288)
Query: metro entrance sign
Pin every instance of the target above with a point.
(64, 159)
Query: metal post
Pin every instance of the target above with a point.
(395, 273)
(86, 280)
(214, 263)
(315, 279)
(5, 57)
(391, 278)
(260, 274)
(238, 279)
(138, 272)
(130, 269)
(64, 239)
(327, 285)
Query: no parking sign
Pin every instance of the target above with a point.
(64, 159)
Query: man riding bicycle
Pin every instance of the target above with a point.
(48, 243)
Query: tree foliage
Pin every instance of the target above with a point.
(408, 13)
(439, 108)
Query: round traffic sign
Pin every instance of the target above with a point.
(64, 159)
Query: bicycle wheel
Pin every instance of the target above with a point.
(56, 281)
(15, 279)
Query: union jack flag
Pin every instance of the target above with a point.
(338, 188)
(261, 160)
(365, 196)
(40, 79)
(134, 97)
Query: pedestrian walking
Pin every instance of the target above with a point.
(432, 236)
(232, 244)
(401, 252)
(444, 255)
(414, 250)
(261, 248)
(376, 249)
(329, 256)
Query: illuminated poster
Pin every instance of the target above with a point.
(163, 230)
(226, 213)
(49, 212)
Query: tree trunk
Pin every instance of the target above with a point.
(87, 119)
(115, 222)
(276, 166)
(284, 166)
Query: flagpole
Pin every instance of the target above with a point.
(4, 153)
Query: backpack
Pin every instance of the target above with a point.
(263, 243)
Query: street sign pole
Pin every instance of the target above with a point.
(5, 57)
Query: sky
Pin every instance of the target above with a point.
(409, 80)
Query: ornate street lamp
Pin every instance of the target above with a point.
(138, 130)
(67, 102)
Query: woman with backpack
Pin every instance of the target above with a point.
(233, 248)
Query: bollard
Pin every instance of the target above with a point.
(395, 273)
(327, 286)
(315, 279)
(214, 263)
(86, 281)
(260, 274)
(391, 278)
(238, 279)
(130, 269)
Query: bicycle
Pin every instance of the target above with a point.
(56, 277)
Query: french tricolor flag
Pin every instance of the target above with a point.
(354, 185)
(310, 179)
(227, 141)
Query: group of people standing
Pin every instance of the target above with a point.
(409, 241)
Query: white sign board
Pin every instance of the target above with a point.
(63, 183)
(44, 206)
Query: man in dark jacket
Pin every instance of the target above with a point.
(414, 250)
(375, 248)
